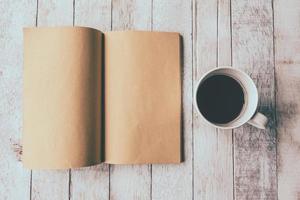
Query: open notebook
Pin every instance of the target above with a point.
(92, 97)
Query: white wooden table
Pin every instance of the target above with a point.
(261, 37)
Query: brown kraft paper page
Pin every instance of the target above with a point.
(142, 97)
(61, 97)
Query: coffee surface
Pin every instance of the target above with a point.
(220, 99)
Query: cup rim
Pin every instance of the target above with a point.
(219, 68)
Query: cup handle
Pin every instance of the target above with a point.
(259, 121)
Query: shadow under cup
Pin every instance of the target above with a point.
(226, 97)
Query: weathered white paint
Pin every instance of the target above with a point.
(224, 33)
(90, 183)
(252, 51)
(50, 184)
(287, 60)
(55, 13)
(14, 179)
(225, 145)
(93, 13)
(213, 175)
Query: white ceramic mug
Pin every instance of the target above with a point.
(249, 112)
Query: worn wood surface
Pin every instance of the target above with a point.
(287, 68)
(260, 37)
(14, 179)
(213, 174)
(252, 51)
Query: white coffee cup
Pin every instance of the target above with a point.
(249, 112)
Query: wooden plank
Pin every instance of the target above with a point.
(225, 145)
(93, 13)
(175, 181)
(213, 174)
(52, 184)
(91, 182)
(55, 13)
(254, 149)
(224, 34)
(132, 14)
(14, 179)
(287, 61)
(130, 181)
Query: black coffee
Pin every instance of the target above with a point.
(220, 99)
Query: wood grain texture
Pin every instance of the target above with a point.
(93, 13)
(91, 182)
(225, 137)
(131, 15)
(175, 181)
(52, 184)
(55, 13)
(213, 174)
(14, 179)
(287, 61)
(224, 35)
(130, 181)
(252, 50)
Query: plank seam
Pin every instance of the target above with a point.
(73, 12)
(70, 170)
(150, 166)
(217, 51)
(70, 184)
(194, 39)
(111, 15)
(109, 182)
(151, 20)
(275, 92)
(30, 185)
(37, 12)
(150, 182)
(232, 132)
(36, 24)
(109, 166)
